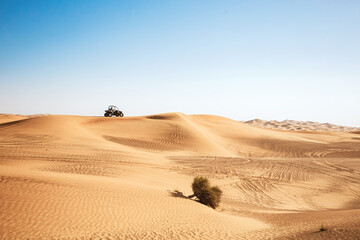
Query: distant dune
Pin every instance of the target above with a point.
(79, 177)
(292, 125)
(15, 117)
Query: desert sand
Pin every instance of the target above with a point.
(292, 125)
(78, 177)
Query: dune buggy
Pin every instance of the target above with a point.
(113, 111)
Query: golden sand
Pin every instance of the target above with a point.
(77, 177)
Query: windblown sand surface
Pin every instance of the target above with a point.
(292, 125)
(75, 177)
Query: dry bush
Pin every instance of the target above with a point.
(207, 195)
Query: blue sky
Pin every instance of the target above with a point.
(239, 59)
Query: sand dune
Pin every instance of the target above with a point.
(292, 125)
(77, 177)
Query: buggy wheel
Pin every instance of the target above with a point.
(121, 114)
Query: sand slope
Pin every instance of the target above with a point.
(94, 177)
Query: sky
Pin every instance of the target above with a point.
(267, 59)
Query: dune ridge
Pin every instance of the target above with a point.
(292, 125)
(81, 177)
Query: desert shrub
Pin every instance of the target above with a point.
(210, 196)
(199, 185)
